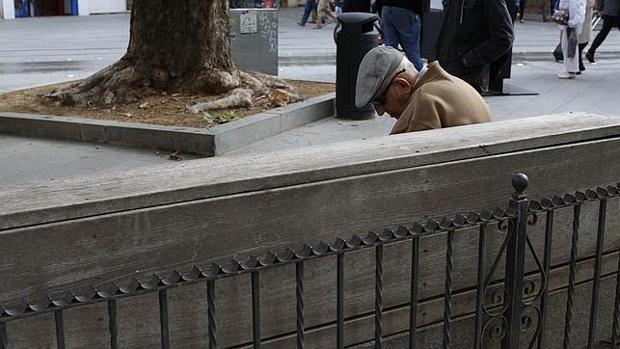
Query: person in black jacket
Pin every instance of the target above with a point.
(401, 25)
(475, 34)
(610, 10)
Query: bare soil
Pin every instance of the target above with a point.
(162, 109)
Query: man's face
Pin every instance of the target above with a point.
(394, 100)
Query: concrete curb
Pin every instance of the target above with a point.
(548, 56)
(330, 59)
(206, 142)
(254, 128)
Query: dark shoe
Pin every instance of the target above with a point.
(590, 56)
(301, 24)
(582, 68)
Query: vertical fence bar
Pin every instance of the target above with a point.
(60, 329)
(255, 310)
(378, 296)
(340, 301)
(515, 261)
(299, 276)
(616, 319)
(447, 311)
(546, 268)
(413, 307)
(482, 238)
(163, 318)
(211, 314)
(112, 324)
(4, 338)
(571, 277)
(597, 271)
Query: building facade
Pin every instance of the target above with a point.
(10, 9)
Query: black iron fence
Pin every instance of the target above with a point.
(513, 318)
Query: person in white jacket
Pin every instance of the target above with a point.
(570, 33)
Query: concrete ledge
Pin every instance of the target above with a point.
(530, 56)
(254, 128)
(210, 178)
(207, 142)
(186, 139)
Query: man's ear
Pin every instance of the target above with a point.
(402, 82)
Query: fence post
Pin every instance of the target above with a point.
(515, 258)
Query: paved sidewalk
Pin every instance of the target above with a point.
(38, 51)
(534, 40)
(26, 159)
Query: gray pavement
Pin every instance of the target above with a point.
(25, 159)
(39, 51)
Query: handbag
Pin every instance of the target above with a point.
(560, 16)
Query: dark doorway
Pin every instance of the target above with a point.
(50, 8)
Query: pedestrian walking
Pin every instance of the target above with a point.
(570, 17)
(308, 9)
(520, 10)
(324, 10)
(420, 100)
(610, 10)
(401, 26)
(475, 34)
(586, 33)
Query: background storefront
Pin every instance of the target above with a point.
(35, 8)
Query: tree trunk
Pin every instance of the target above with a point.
(174, 42)
(174, 46)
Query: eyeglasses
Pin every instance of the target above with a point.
(380, 100)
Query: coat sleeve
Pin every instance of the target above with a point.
(576, 14)
(499, 27)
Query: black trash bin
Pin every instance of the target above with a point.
(353, 41)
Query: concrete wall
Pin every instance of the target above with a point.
(93, 230)
(83, 7)
(107, 6)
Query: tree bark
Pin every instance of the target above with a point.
(174, 46)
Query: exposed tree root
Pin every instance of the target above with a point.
(110, 85)
(237, 98)
(124, 83)
(256, 86)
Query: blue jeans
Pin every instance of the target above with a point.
(310, 5)
(401, 26)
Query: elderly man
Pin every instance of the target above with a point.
(428, 99)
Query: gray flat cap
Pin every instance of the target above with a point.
(377, 69)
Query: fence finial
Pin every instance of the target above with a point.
(519, 183)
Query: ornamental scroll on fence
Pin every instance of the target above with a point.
(510, 312)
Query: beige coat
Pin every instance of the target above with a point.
(586, 32)
(441, 100)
